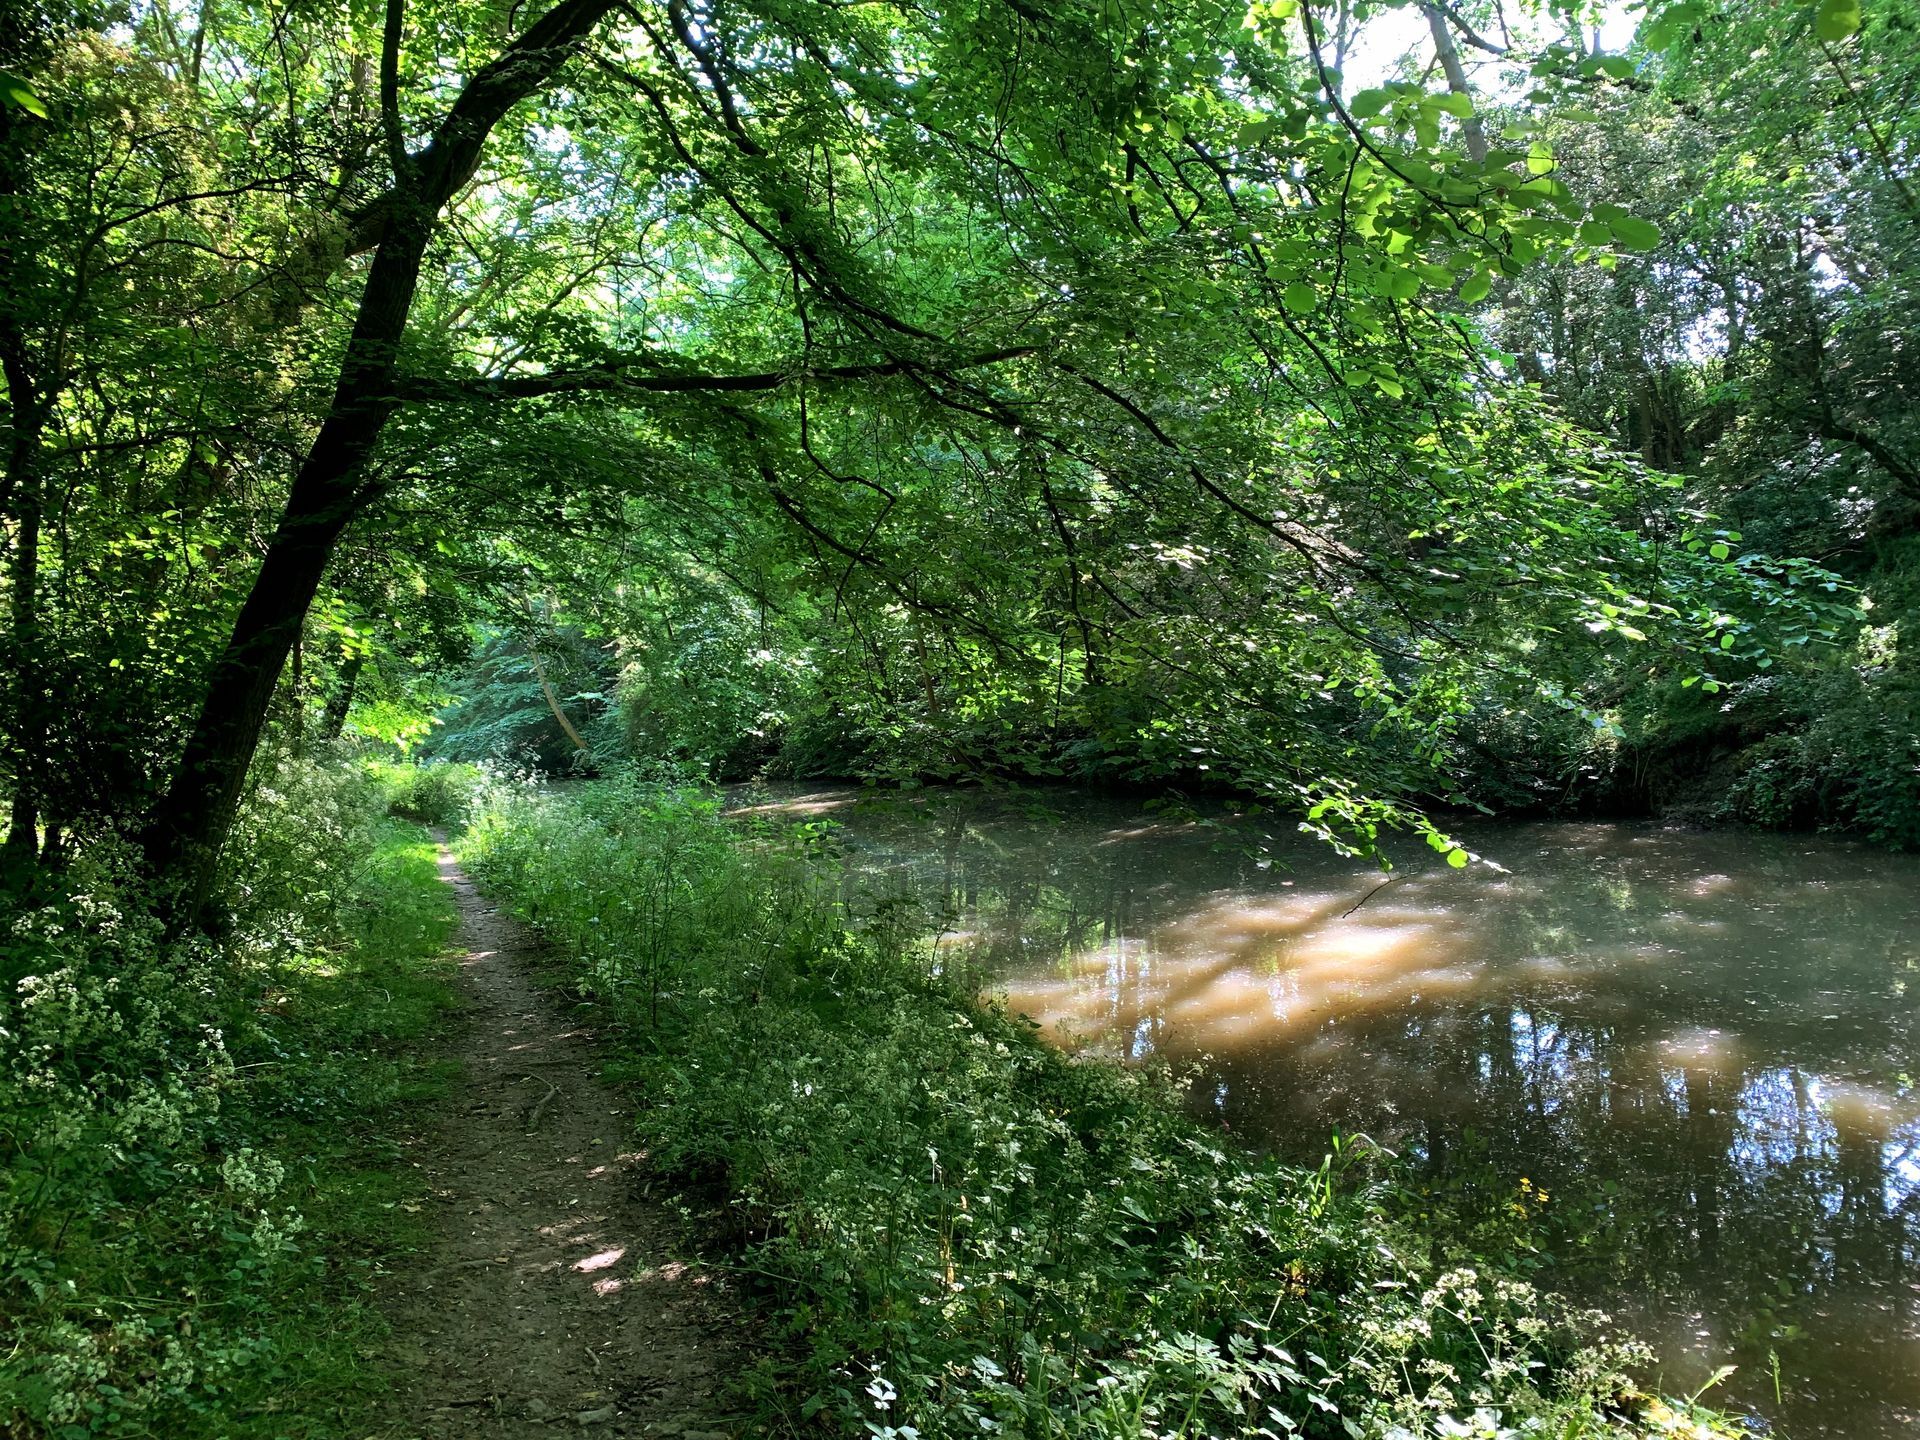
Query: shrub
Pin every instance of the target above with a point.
(439, 793)
(963, 1232)
(174, 1114)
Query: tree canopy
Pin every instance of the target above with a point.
(1056, 388)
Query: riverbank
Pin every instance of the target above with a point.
(1600, 1054)
(953, 1228)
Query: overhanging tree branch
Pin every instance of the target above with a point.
(649, 375)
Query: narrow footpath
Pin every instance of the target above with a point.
(547, 1302)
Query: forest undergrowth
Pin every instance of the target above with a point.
(202, 1163)
(955, 1229)
(949, 1228)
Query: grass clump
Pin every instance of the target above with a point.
(960, 1232)
(200, 1174)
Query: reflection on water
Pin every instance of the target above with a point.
(1702, 1047)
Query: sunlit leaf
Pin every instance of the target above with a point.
(1836, 20)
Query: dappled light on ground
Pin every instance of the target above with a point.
(543, 1299)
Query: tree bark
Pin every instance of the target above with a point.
(26, 725)
(189, 824)
(21, 496)
(187, 828)
(1449, 53)
(20, 500)
(553, 700)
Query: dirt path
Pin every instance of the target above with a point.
(546, 1303)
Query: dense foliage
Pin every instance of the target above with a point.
(1071, 389)
(964, 1233)
(196, 1148)
(1169, 389)
(1765, 352)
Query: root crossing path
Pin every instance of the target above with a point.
(546, 1302)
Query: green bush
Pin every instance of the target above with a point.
(1851, 759)
(961, 1231)
(192, 1195)
(439, 793)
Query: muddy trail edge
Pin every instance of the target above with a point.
(546, 1301)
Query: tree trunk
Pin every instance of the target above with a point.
(26, 724)
(333, 719)
(1449, 53)
(1736, 327)
(187, 828)
(553, 700)
(20, 498)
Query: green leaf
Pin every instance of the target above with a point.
(1636, 234)
(1457, 859)
(1836, 20)
(1546, 190)
(1455, 104)
(1300, 298)
(1719, 552)
(1663, 27)
(1400, 283)
(15, 91)
(1367, 104)
(1476, 288)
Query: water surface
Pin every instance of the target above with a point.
(1702, 1048)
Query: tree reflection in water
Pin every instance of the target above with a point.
(1702, 1048)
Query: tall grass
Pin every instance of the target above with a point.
(957, 1231)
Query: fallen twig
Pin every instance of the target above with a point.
(533, 1115)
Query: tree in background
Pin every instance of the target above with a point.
(1764, 353)
(1065, 376)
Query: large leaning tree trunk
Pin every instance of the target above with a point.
(25, 418)
(187, 827)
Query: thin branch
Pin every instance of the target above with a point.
(646, 375)
(1467, 32)
(397, 156)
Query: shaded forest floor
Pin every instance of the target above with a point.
(548, 1295)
